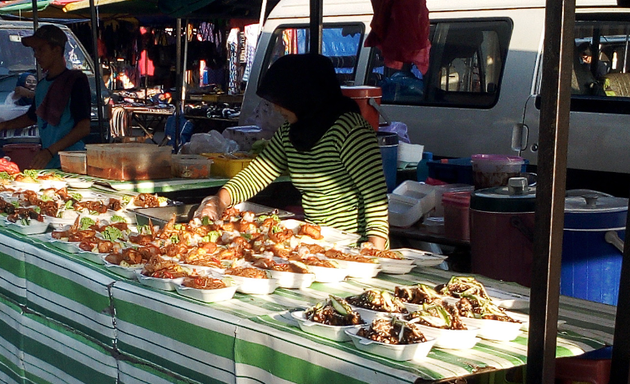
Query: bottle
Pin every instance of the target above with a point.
(423, 167)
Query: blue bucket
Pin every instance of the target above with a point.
(388, 143)
(591, 266)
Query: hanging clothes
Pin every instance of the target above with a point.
(400, 29)
(251, 38)
(233, 81)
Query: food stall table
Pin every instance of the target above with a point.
(251, 337)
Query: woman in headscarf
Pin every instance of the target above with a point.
(329, 149)
(24, 92)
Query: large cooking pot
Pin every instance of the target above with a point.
(501, 231)
(594, 224)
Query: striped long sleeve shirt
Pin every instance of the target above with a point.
(341, 178)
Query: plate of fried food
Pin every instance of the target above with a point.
(206, 288)
(329, 319)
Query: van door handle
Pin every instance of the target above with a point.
(520, 136)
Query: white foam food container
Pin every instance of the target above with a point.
(253, 286)
(360, 270)
(422, 258)
(398, 352)
(328, 275)
(331, 235)
(331, 332)
(494, 329)
(369, 315)
(452, 338)
(126, 272)
(207, 295)
(293, 280)
(157, 283)
(403, 210)
(33, 228)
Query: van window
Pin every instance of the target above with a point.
(341, 43)
(465, 67)
(601, 66)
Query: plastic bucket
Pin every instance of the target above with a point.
(362, 95)
(21, 154)
(495, 170)
(591, 266)
(388, 144)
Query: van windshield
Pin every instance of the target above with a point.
(341, 43)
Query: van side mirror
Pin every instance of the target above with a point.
(520, 135)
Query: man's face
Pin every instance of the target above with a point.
(586, 59)
(46, 54)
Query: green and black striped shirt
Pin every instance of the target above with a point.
(341, 178)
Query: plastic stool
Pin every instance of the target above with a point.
(579, 370)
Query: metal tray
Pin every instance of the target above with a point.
(183, 213)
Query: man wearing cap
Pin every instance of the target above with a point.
(62, 100)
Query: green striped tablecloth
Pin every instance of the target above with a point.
(161, 335)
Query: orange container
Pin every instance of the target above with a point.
(128, 161)
(362, 95)
(73, 161)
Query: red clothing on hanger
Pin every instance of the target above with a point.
(400, 29)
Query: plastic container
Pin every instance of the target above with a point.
(403, 211)
(228, 165)
(191, 166)
(440, 190)
(456, 215)
(451, 171)
(362, 95)
(501, 232)
(21, 154)
(422, 172)
(388, 144)
(245, 135)
(128, 161)
(74, 161)
(495, 170)
(409, 154)
(591, 266)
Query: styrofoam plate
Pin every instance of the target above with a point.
(399, 352)
(493, 329)
(452, 338)
(393, 269)
(422, 258)
(328, 275)
(331, 235)
(35, 227)
(293, 280)
(332, 332)
(508, 300)
(253, 286)
(157, 283)
(360, 270)
(207, 295)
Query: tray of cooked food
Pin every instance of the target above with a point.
(329, 319)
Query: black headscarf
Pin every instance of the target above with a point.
(307, 86)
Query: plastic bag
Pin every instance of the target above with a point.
(402, 87)
(11, 111)
(398, 128)
(211, 142)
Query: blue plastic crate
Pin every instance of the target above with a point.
(451, 171)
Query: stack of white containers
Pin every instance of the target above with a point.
(409, 202)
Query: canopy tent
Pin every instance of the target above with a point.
(52, 9)
(174, 9)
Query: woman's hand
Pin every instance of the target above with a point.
(41, 159)
(377, 242)
(24, 92)
(213, 206)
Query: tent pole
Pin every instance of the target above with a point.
(316, 26)
(550, 192)
(178, 76)
(35, 26)
(97, 71)
(184, 68)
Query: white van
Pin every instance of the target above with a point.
(482, 91)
